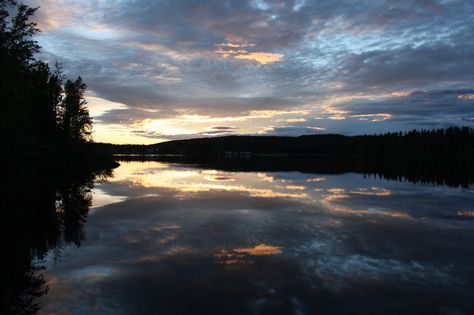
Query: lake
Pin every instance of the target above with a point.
(170, 238)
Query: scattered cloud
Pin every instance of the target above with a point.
(348, 67)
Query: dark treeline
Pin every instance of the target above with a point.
(43, 114)
(126, 149)
(42, 211)
(449, 143)
(48, 162)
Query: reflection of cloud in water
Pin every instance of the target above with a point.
(101, 198)
(219, 178)
(181, 238)
(338, 270)
(294, 187)
(259, 250)
(157, 257)
(372, 191)
(331, 200)
(205, 187)
(350, 194)
(264, 177)
(240, 255)
(466, 213)
(161, 228)
(316, 179)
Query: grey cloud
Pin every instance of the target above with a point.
(160, 56)
(131, 115)
(223, 128)
(218, 106)
(407, 66)
(418, 103)
(212, 132)
(276, 24)
(292, 131)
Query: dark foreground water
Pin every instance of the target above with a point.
(174, 239)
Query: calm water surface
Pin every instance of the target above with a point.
(163, 238)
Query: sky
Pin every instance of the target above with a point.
(165, 70)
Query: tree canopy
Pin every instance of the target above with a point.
(39, 108)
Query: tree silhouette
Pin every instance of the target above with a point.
(16, 56)
(44, 202)
(74, 115)
(43, 115)
(16, 33)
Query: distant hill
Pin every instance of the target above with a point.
(249, 145)
(450, 142)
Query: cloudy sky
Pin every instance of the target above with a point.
(161, 70)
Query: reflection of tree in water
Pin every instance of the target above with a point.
(41, 212)
(434, 171)
(72, 207)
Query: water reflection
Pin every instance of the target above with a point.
(241, 255)
(39, 218)
(349, 192)
(176, 239)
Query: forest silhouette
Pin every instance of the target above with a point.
(44, 115)
(49, 166)
(453, 142)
